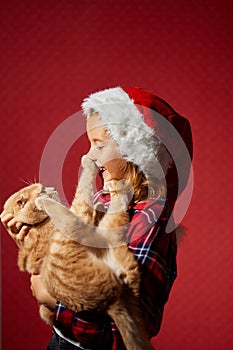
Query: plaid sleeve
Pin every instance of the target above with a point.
(155, 251)
(92, 331)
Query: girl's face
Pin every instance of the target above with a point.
(104, 150)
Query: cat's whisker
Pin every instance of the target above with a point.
(27, 182)
(35, 180)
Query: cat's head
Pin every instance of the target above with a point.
(22, 203)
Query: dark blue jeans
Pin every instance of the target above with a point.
(58, 343)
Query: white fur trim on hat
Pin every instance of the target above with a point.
(126, 125)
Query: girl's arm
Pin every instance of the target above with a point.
(41, 294)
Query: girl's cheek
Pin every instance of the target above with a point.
(103, 157)
(117, 168)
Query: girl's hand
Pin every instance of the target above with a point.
(15, 228)
(41, 294)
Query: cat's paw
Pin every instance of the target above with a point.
(39, 203)
(43, 202)
(119, 189)
(118, 186)
(88, 163)
(113, 185)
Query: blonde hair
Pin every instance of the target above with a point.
(145, 187)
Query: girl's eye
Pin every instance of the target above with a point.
(99, 147)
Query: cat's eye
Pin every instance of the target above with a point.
(21, 203)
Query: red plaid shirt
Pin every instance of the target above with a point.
(155, 251)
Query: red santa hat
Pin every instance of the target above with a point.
(140, 122)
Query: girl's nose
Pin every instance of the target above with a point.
(91, 154)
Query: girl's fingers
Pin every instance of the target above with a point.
(13, 225)
(16, 229)
(22, 233)
(5, 218)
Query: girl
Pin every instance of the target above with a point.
(124, 128)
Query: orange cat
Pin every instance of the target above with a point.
(85, 267)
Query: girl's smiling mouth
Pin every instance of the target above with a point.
(101, 172)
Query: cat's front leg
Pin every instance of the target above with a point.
(115, 222)
(66, 222)
(61, 216)
(82, 205)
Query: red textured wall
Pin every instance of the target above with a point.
(53, 53)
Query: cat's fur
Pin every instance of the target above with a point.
(85, 267)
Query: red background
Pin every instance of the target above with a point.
(54, 53)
